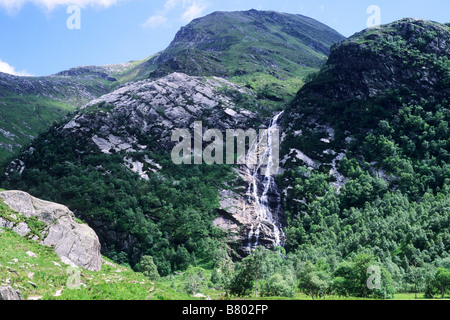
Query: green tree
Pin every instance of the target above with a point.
(441, 281)
(313, 282)
(278, 286)
(362, 277)
(148, 268)
(240, 283)
(195, 280)
(250, 271)
(217, 278)
(256, 265)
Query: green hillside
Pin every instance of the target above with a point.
(29, 105)
(366, 152)
(266, 51)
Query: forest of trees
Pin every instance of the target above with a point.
(273, 273)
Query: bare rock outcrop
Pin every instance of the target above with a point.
(72, 240)
(9, 293)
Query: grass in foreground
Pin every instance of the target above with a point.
(40, 274)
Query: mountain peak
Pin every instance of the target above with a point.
(229, 44)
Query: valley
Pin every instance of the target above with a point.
(352, 176)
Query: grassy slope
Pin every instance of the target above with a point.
(23, 117)
(29, 106)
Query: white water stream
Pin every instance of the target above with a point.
(266, 212)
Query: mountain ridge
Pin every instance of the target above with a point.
(220, 32)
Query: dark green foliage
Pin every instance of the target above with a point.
(251, 270)
(313, 281)
(278, 286)
(439, 283)
(394, 203)
(148, 268)
(362, 277)
(168, 216)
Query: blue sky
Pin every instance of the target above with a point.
(35, 38)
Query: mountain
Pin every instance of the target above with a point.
(364, 160)
(129, 130)
(372, 79)
(366, 149)
(114, 156)
(29, 105)
(267, 51)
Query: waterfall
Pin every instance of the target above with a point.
(263, 191)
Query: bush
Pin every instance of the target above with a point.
(277, 286)
(195, 280)
(148, 268)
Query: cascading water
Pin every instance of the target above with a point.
(263, 191)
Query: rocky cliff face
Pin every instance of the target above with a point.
(139, 118)
(156, 108)
(116, 122)
(74, 242)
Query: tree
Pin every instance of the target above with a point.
(148, 268)
(250, 271)
(256, 265)
(240, 284)
(313, 282)
(362, 277)
(441, 281)
(415, 275)
(195, 279)
(343, 282)
(277, 286)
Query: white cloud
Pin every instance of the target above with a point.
(15, 5)
(155, 21)
(191, 9)
(6, 68)
(194, 11)
(170, 4)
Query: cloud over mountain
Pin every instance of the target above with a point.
(7, 68)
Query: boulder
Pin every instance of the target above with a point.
(9, 293)
(72, 240)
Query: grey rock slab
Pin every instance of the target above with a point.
(9, 293)
(76, 241)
